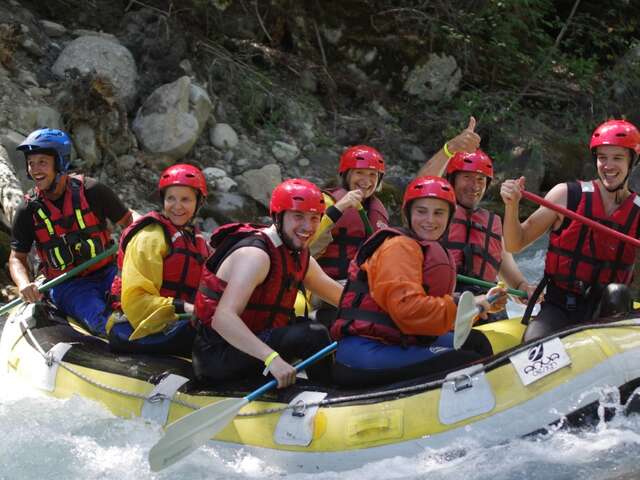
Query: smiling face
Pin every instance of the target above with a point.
(469, 188)
(612, 163)
(298, 228)
(363, 179)
(180, 204)
(41, 167)
(429, 217)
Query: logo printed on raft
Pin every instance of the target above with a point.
(540, 360)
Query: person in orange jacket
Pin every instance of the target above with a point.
(398, 308)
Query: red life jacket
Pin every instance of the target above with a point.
(271, 303)
(359, 314)
(349, 233)
(579, 256)
(67, 238)
(182, 266)
(474, 238)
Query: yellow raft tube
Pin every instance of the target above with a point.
(310, 427)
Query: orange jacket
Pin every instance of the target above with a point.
(394, 274)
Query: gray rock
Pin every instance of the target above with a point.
(126, 163)
(186, 67)
(27, 79)
(38, 92)
(230, 207)
(219, 179)
(104, 56)
(199, 104)
(382, 112)
(437, 79)
(32, 47)
(223, 136)
(38, 116)
(11, 193)
(412, 153)
(258, 184)
(285, 152)
(168, 122)
(53, 29)
(84, 140)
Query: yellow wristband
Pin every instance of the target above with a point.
(269, 359)
(446, 151)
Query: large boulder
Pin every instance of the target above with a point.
(171, 119)
(258, 184)
(439, 77)
(227, 207)
(107, 58)
(11, 193)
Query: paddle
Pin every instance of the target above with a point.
(64, 277)
(579, 218)
(191, 431)
(365, 220)
(483, 283)
(467, 311)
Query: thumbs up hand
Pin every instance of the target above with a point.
(467, 141)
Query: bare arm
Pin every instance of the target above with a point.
(19, 270)
(321, 284)
(518, 236)
(466, 141)
(509, 271)
(244, 270)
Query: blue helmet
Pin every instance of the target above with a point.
(50, 141)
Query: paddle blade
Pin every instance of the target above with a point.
(465, 314)
(192, 431)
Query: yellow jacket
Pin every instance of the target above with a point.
(142, 268)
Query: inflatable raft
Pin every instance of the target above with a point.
(568, 379)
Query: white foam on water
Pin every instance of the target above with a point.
(45, 437)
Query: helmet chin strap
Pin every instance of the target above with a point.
(57, 186)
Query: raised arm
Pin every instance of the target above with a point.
(518, 236)
(466, 141)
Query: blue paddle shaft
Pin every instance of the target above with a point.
(299, 367)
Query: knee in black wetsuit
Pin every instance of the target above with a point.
(616, 299)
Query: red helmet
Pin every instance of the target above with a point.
(430, 187)
(361, 156)
(183, 174)
(616, 132)
(477, 161)
(296, 194)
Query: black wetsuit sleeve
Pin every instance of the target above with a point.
(103, 201)
(22, 229)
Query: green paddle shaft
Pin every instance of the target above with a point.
(64, 277)
(365, 220)
(483, 283)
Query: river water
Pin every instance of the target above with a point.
(43, 437)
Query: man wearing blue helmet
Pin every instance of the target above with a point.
(65, 215)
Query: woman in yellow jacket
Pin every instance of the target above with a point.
(398, 308)
(160, 260)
